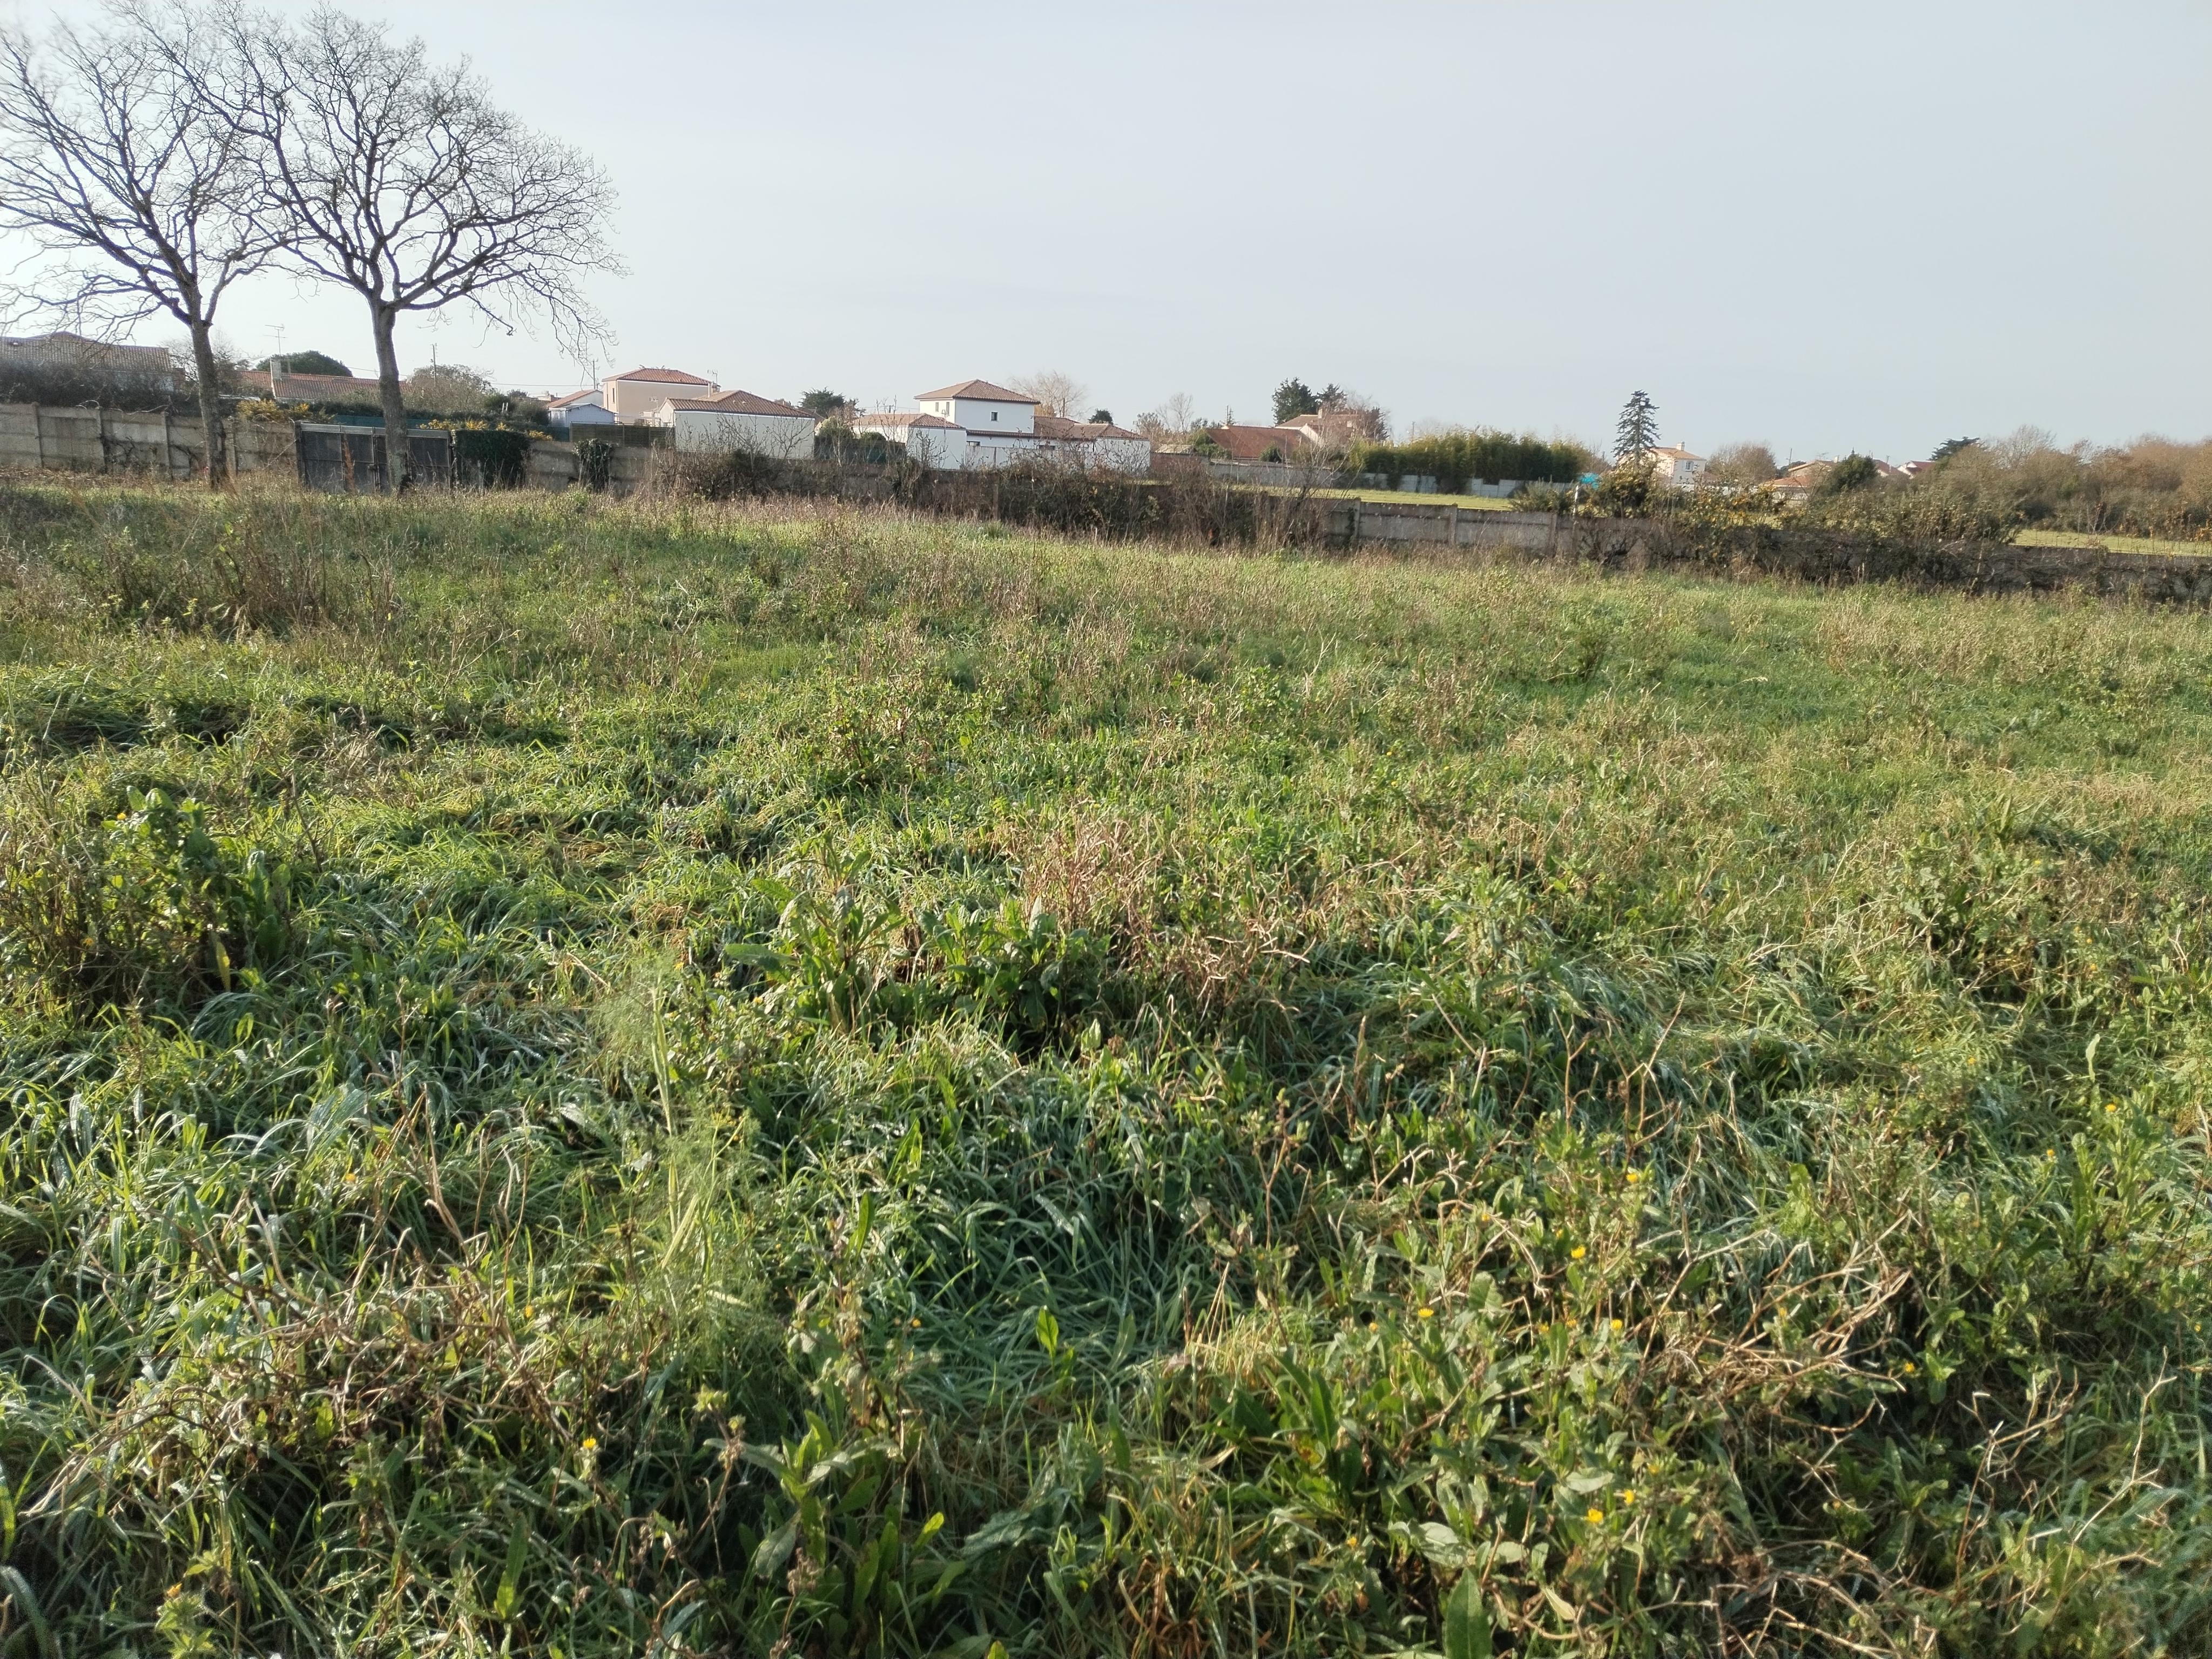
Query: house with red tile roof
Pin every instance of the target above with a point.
(739, 421)
(636, 395)
(973, 423)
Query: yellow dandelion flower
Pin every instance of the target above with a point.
(591, 1444)
(1594, 1515)
(1635, 1175)
(1578, 1252)
(1617, 1325)
(1425, 1313)
(1628, 1494)
(530, 1310)
(1910, 1368)
(2111, 1105)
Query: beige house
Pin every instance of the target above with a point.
(1676, 466)
(637, 396)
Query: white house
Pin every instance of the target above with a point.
(930, 439)
(739, 420)
(975, 423)
(1001, 425)
(1678, 467)
(579, 409)
(1095, 444)
(636, 396)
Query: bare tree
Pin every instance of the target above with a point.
(137, 192)
(1057, 393)
(1171, 422)
(402, 180)
(1743, 466)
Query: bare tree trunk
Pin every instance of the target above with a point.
(204, 367)
(398, 473)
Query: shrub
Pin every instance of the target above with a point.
(491, 457)
(595, 462)
(145, 905)
(1456, 459)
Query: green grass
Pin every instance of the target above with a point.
(2116, 544)
(1399, 497)
(599, 1080)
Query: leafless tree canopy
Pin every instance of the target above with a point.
(1742, 465)
(1057, 393)
(122, 166)
(1171, 422)
(402, 179)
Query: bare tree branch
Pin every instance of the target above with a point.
(402, 180)
(122, 170)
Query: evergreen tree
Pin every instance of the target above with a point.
(1295, 397)
(1636, 433)
(306, 362)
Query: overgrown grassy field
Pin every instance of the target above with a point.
(597, 1080)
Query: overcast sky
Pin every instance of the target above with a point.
(1870, 228)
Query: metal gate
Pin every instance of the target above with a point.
(349, 459)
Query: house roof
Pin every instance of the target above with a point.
(667, 376)
(1250, 443)
(1676, 454)
(981, 391)
(904, 419)
(63, 338)
(589, 394)
(751, 402)
(1052, 425)
(322, 388)
(738, 403)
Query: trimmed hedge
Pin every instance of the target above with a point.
(1455, 460)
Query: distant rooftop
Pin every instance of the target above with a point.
(981, 391)
(667, 376)
(740, 403)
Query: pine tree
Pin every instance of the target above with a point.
(1295, 397)
(1636, 433)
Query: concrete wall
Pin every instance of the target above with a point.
(146, 442)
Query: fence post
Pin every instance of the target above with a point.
(39, 436)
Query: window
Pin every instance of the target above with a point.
(994, 413)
